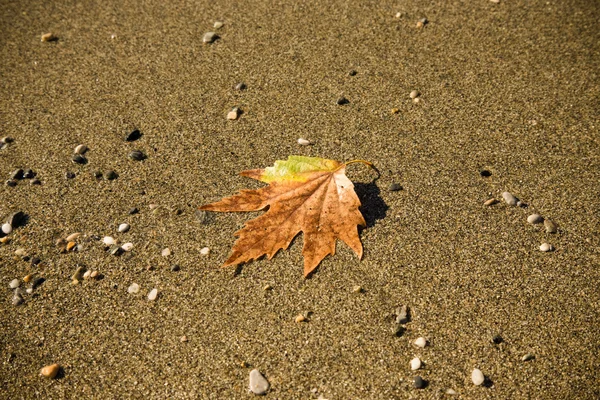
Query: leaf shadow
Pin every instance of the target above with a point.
(373, 208)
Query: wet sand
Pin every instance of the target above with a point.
(511, 88)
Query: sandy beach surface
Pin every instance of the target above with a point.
(508, 100)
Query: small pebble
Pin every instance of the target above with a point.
(133, 288)
(152, 295)
(49, 37)
(7, 228)
(204, 251)
(17, 174)
(87, 274)
(451, 392)
(402, 315)
(209, 37)
(218, 25)
(20, 252)
(546, 247)
(115, 250)
(137, 155)
(11, 183)
(133, 210)
(415, 364)
(70, 175)
(14, 284)
(395, 110)
(165, 252)
(28, 174)
(527, 357)
(108, 240)
(27, 278)
(17, 299)
(258, 384)
(233, 114)
(495, 1)
(183, 339)
(395, 187)
(175, 268)
(73, 236)
(352, 72)
(303, 142)
(490, 202)
(357, 289)
(50, 371)
(35, 182)
(510, 199)
(421, 342)
(535, 219)
(5, 240)
(78, 159)
(80, 149)
(124, 228)
(341, 101)
(267, 287)
(550, 226)
(95, 275)
(133, 135)
(497, 339)
(485, 173)
(416, 100)
(300, 318)
(240, 86)
(35, 261)
(70, 246)
(111, 175)
(127, 246)
(419, 383)
(414, 94)
(78, 275)
(37, 282)
(477, 377)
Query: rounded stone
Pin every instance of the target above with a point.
(233, 114)
(50, 371)
(303, 142)
(550, 226)
(108, 240)
(205, 251)
(133, 135)
(14, 284)
(17, 299)
(395, 187)
(7, 228)
(78, 159)
(477, 377)
(258, 384)
(342, 101)
(419, 383)
(209, 37)
(240, 86)
(421, 342)
(527, 357)
(137, 155)
(415, 364)
(414, 94)
(218, 25)
(535, 219)
(127, 246)
(133, 288)
(165, 252)
(153, 294)
(510, 199)
(124, 228)
(546, 247)
(80, 149)
(485, 173)
(490, 202)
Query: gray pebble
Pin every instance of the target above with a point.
(11, 183)
(137, 155)
(124, 227)
(80, 149)
(134, 288)
(210, 37)
(115, 250)
(14, 284)
(133, 136)
(133, 210)
(419, 383)
(202, 216)
(111, 175)
(550, 226)
(341, 101)
(17, 174)
(17, 299)
(70, 175)
(258, 383)
(510, 199)
(535, 219)
(78, 159)
(402, 316)
(394, 187)
(240, 86)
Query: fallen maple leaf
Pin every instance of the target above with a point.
(307, 194)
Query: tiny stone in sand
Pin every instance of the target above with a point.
(80, 149)
(490, 202)
(218, 25)
(303, 142)
(535, 219)
(414, 94)
(165, 252)
(137, 155)
(108, 240)
(17, 299)
(419, 383)
(477, 377)
(78, 159)
(14, 284)
(240, 86)
(204, 251)
(133, 288)
(209, 37)
(127, 246)
(546, 247)
(300, 318)
(415, 364)
(124, 228)
(342, 101)
(6, 228)
(395, 187)
(258, 384)
(153, 294)
(49, 37)
(133, 135)
(421, 342)
(73, 236)
(233, 114)
(402, 315)
(550, 226)
(510, 199)
(527, 357)
(50, 371)
(357, 289)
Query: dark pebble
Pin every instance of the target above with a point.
(70, 175)
(137, 155)
(35, 261)
(17, 174)
(240, 86)
(485, 173)
(28, 174)
(133, 210)
(97, 174)
(341, 101)
(111, 175)
(37, 282)
(36, 182)
(11, 183)
(79, 159)
(16, 219)
(497, 339)
(352, 73)
(25, 258)
(133, 135)
(394, 187)
(175, 268)
(419, 382)
(95, 237)
(399, 330)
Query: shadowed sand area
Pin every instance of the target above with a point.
(511, 88)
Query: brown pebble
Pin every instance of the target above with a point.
(5, 240)
(50, 371)
(267, 287)
(233, 114)
(420, 24)
(49, 37)
(184, 339)
(94, 275)
(357, 289)
(550, 226)
(395, 111)
(490, 202)
(70, 246)
(300, 318)
(75, 282)
(28, 278)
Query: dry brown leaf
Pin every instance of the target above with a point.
(307, 194)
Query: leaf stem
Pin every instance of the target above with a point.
(370, 164)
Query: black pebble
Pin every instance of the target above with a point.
(133, 210)
(28, 174)
(36, 182)
(79, 159)
(37, 282)
(240, 86)
(497, 339)
(175, 268)
(110, 175)
(35, 261)
(485, 173)
(133, 135)
(394, 187)
(97, 174)
(399, 330)
(17, 174)
(352, 73)
(11, 183)
(419, 382)
(137, 155)
(342, 100)
(70, 175)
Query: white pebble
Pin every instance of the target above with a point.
(209, 37)
(127, 246)
(165, 252)
(73, 236)
(421, 342)
(204, 251)
(81, 149)
(87, 274)
(258, 383)
(233, 114)
(108, 240)
(546, 247)
(414, 94)
(124, 228)
(415, 364)
(510, 199)
(451, 392)
(218, 25)
(14, 284)
(152, 295)
(7, 228)
(303, 142)
(134, 288)
(535, 219)
(477, 377)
